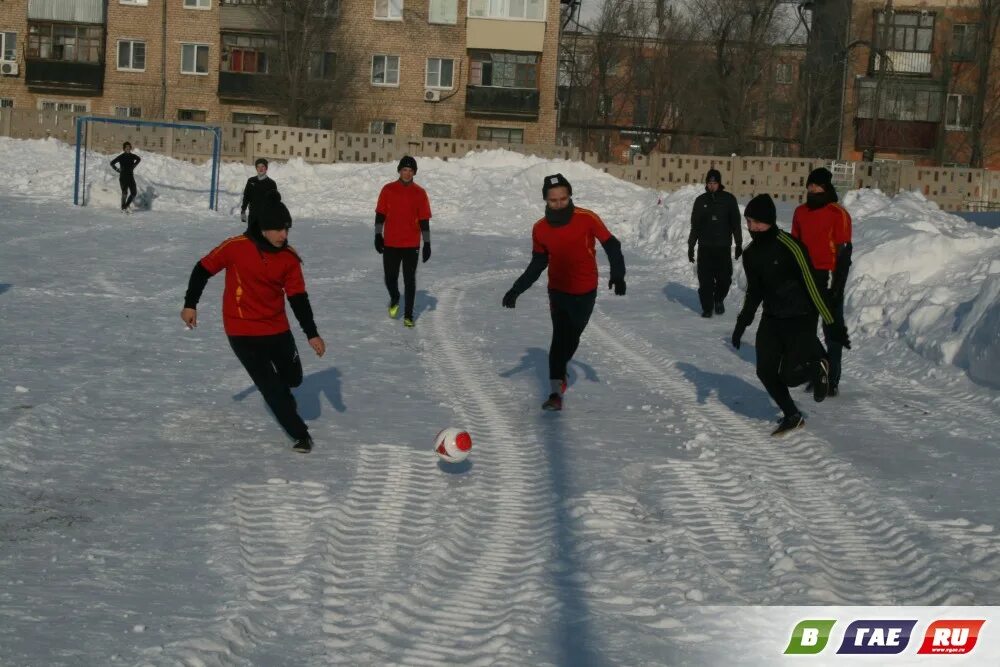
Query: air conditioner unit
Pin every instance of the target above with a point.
(9, 68)
(432, 95)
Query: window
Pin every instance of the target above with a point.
(439, 72)
(194, 58)
(254, 119)
(65, 41)
(198, 4)
(963, 41)
(323, 65)
(131, 55)
(532, 10)
(505, 134)
(6, 103)
(137, 3)
(640, 111)
(128, 112)
(503, 70)
(318, 122)
(958, 115)
(437, 131)
(390, 10)
(70, 107)
(192, 115)
(382, 127)
(8, 45)
(443, 11)
(783, 73)
(905, 31)
(385, 70)
(246, 54)
(900, 101)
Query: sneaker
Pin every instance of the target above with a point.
(408, 322)
(303, 445)
(554, 403)
(706, 313)
(393, 310)
(789, 423)
(833, 390)
(821, 384)
(719, 308)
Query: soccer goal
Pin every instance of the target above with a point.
(97, 135)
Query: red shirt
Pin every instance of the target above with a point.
(821, 230)
(403, 206)
(253, 303)
(571, 250)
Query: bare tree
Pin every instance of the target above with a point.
(820, 89)
(985, 103)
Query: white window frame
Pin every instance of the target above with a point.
(200, 5)
(195, 44)
(128, 111)
(962, 99)
(85, 104)
(780, 68)
(6, 102)
(389, 16)
(3, 45)
(386, 84)
(133, 42)
(439, 21)
(438, 85)
(500, 9)
(381, 123)
(134, 3)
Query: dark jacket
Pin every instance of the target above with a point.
(255, 190)
(780, 275)
(125, 163)
(716, 220)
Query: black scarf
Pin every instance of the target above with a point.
(262, 243)
(763, 237)
(815, 200)
(560, 217)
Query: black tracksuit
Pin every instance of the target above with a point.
(570, 315)
(125, 165)
(274, 365)
(780, 274)
(253, 192)
(715, 224)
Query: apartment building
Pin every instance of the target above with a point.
(466, 69)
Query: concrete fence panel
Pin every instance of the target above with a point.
(950, 187)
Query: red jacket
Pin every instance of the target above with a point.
(571, 250)
(257, 282)
(403, 206)
(822, 230)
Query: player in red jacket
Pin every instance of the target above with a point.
(402, 219)
(824, 227)
(261, 270)
(563, 241)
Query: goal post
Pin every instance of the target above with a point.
(154, 131)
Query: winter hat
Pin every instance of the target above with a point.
(260, 160)
(821, 177)
(270, 213)
(555, 181)
(713, 175)
(407, 161)
(761, 208)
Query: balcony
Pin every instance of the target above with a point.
(895, 135)
(64, 77)
(247, 87)
(903, 62)
(520, 103)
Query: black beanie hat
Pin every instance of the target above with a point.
(713, 175)
(761, 208)
(407, 161)
(555, 181)
(260, 160)
(821, 177)
(271, 213)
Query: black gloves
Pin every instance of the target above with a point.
(838, 333)
(379, 243)
(691, 254)
(738, 334)
(427, 250)
(739, 251)
(619, 286)
(510, 298)
(243, 216)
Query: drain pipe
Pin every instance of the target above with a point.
(163, 62)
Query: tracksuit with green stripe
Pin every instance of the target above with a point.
(780, 275)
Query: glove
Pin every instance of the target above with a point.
(379, 243)
(243, 216)
(691, 254)
(838, 333)
(427, 251)
(739, 251)
(619, 286)
(510, 298)
(737, 335)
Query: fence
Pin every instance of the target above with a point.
(952, 188)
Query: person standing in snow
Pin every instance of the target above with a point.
(824, 227)
(125, 165)
(402, 219)
(261, 270)
(780, 275)
(563, 241)
(255, 190)
(715, 224)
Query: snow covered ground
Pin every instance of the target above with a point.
(151, 512)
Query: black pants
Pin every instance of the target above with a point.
(715, 275)
(274, 366)
(833, 349)
(788, 354)
(128, 190)
(391, 259)
(570, 314)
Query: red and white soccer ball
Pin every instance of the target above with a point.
(453, 445)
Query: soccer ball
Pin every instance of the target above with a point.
(453, 445)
